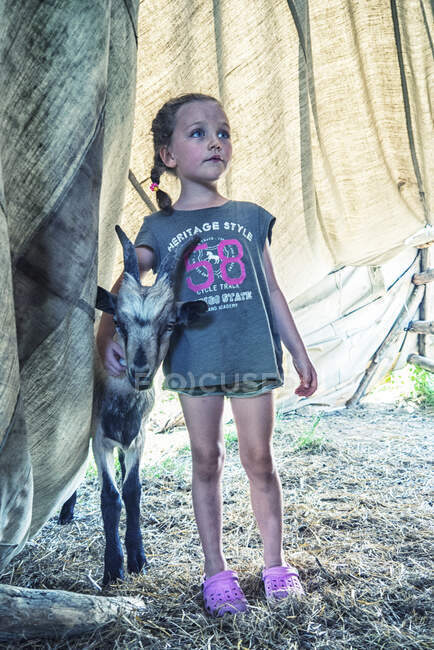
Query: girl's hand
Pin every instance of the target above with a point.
(111, 354)
(308, 377)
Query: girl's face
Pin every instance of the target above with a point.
(200, 149)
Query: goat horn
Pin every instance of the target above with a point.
(131, 265)
(170, 263)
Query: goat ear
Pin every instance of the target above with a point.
(190, 311)
(106, 301)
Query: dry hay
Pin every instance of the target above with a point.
(357, 515)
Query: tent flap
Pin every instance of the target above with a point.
(66, 114)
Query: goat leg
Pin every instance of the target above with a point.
(131, 493)
(121, 458)
(111, 506)
(67, 513)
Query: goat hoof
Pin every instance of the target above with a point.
(138, 565)
(66, 514)
(65, 518)
(112, 576)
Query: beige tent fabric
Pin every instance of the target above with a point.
(66, 115)
(331, 115)
(344, 319)
(16, 486)
(9, 378)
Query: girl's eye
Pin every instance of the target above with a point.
(197, 133)
(224, 134)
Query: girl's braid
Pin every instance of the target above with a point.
(163, 126)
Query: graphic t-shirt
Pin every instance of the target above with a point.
(236, 340)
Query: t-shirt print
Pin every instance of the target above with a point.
(237, 337)
(216, 269)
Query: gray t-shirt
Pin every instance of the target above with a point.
(236, 340)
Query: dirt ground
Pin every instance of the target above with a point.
(358, 509)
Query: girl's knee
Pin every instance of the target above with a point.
(208, 462)
(258, 464)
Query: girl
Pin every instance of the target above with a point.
(235, 350)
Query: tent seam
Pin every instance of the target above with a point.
(66, 188)
(425, 22)
(11, 423)
(407, 110)
(128, 8)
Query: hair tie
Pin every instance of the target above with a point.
(154, 187)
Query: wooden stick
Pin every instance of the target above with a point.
(396, 330)
(422, 326)
(50, 613)
(139, 189)
(423, 267)
(424, 277)
(423, 362)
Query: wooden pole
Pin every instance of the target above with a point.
(50, 613)
(424, 276)
(396, 330)
(422, 326)
(421, 341)
(423, 362)
(139, 189)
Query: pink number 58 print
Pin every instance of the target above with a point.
(224, 261)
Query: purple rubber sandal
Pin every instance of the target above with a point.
(281, 582)
(222, 594)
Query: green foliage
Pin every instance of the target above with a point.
(185, 449)
(310, 440)
(411, 383)
(91, 470)
(423, 385)
(231, 441)
(174, 466)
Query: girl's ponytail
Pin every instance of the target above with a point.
(163, 199)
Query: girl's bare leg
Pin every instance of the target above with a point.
(254, 418)
(203, 417)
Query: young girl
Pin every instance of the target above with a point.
(235, 350)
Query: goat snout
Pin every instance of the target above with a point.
(140, 379)
(140, 360)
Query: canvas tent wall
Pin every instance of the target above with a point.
(330, 110)
(331, 115)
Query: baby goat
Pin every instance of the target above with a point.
(145, 318)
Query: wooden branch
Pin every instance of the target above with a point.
(422, 326)
(396, 330)
(51, 613)
(424, 277)
(423, 362)
(173, 422)
(139, 189)
(423, 268)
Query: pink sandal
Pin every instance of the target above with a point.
(281, 582)
(222, 594)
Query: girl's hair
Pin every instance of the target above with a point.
(163, 126)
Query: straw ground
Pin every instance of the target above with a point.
(357, 514)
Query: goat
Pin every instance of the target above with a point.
(145, 318)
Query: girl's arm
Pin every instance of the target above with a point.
(109, 350)
(288, 332)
